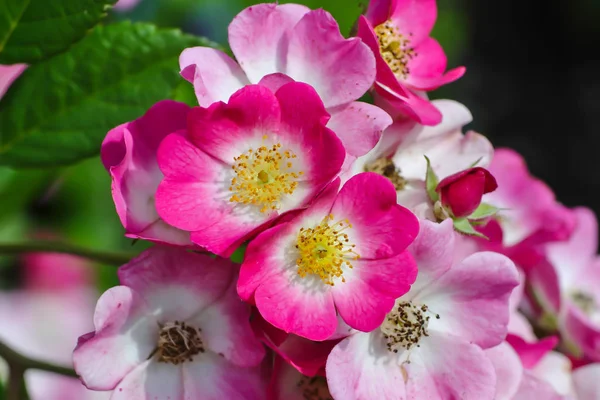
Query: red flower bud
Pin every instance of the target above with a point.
(461, 193)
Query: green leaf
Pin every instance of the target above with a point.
(59, 111)
(32, 30)
(483, 211)
(431, 182)
(463, 225)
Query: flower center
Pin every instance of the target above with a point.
(385, 167)
(404, 326)
(314, 388)
(585, 302)
(263, 176)
(324, 249)
(178, 343)
(394, 48)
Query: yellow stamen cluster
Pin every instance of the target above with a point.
(324, 249)
(394, 48)
(585, 302)
(263, 176)
(385, 167)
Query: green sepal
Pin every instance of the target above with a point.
(431, 182)
(483, 211)
(463, 225)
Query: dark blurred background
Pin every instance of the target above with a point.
(531, 84)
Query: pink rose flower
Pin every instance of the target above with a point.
(431, 344)
(241, 165)
(461, 193)
(345, 254)
(129, 154)
(275, 44)
(176, 327)
(409, 61)
(8, 74)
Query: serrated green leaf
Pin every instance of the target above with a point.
(463, 225)
(59, 111)
(483, 211)
(431, 182)
(32, 30)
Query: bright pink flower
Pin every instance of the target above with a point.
(176, 328)
(455, 310)
(408, 60)
(345, 254)
(55, 271)
(461, 193)
(8, 74)
(242, 164)
(129, 154)
(275, 44)
(530, 215)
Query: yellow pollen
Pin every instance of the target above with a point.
(395, 48)
(324, 249)
(263, 176)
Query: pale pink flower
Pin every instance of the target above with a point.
(129, 154)
(241, 165)
(125, 5)
(176, 329)
(431, 344)
(409, 61)
(345, 254)
(275, 44)
(567, 286)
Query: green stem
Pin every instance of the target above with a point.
(18, 364)
(53, 246)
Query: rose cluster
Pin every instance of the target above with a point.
(387, 255)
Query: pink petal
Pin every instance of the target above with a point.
(535, 388)
(472, 298)
(226, 330)
(582, 332)
(433, 250)
(227, 130)
(360, 368)
(571, 257)
(346, 66)
(151, 380)
(380, 11)
(587, 382)
(303, 118)
(555, 368)
(214, 74)
(380, 227)
(449, 367)
(302, 306)
(125, 337)
(371, 289)
(175, 283)
(509, 370)
(304, 355)
(259, 37)
(8, 74)
(414, 18)
(359, 126)
(275, 81)
(531, 353)
(427, 68)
